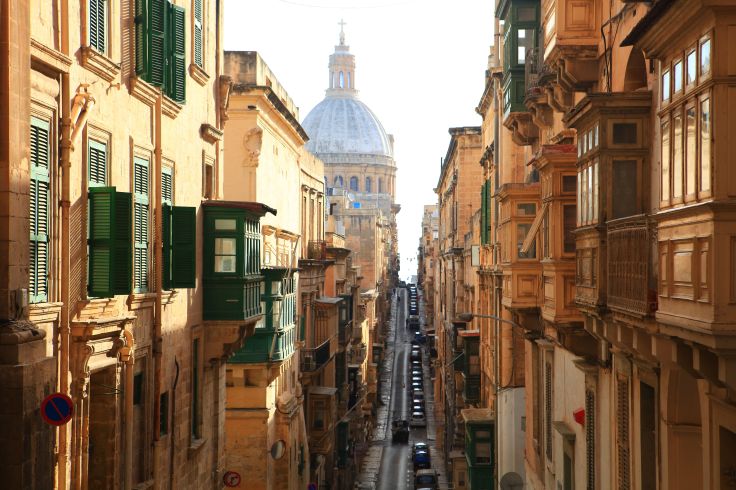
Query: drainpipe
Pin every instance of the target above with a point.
(128, 359)
(157, 335)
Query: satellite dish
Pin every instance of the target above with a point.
(277, 449)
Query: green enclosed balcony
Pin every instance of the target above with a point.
(275, 337)
(232, 260)
(480, 435)
(470, 365)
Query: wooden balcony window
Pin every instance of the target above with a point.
(628, 265)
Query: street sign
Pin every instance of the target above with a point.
(57, 409)
(231, 479)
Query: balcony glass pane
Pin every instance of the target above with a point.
(526, 209)
(678, 76)
(677, 159)
(589, 181)
(225, 250)
(705, 132)
(521, 231)
(690, 150)
(665, 160)
(705, 57)
(225, 224)
(666, 85)
(482, 452)
(690, 68)
(525, 42)
(596, 184)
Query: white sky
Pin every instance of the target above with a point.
(420, 67)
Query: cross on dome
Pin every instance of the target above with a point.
(342, 31)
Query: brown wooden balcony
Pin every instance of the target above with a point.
(317, 250)
(629, 265)
(314, 359)
(590, 271)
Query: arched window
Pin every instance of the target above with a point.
(342, 80)
(368, 184)
(354, 184)
(338, 181)
(350, 80)
(380, 185)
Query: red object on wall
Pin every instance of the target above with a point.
(579, 416)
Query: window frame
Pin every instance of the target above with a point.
(34, 293)
(105, 29)
(141, 199)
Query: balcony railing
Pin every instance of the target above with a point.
(314, 359)
(628, 265)
(317, 250)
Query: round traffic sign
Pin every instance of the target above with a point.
(57, 409)
(231, 479)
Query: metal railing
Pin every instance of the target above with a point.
(314, 359)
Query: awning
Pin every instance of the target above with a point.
(531, 236)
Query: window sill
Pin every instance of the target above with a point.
(137, 301)
(99, 64)
(198, 74)
(210, 133)
(144, 91)
(195, 447)
(170, 108)
(44, 312)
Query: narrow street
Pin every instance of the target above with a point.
(388, 465)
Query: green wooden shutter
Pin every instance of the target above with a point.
(39, 210)
(198, 55)
(176, 85)
(166, 245)
(109, 242)
(142, 37)
(167, 187)
(98, 24)
(183, 246)
(483, 213)
(140, 225)
(122, 270)
(97, 163)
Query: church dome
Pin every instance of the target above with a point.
(343, 124)
(341, 127)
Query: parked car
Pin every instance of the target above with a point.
(418, 419)
(417, 393)
(419, 446)
(417, 398)
(425, 479)
(416, 355)
(417, 408)
(417, 379)
(421, 460)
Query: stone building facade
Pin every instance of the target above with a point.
(106, 244)
(605, 232)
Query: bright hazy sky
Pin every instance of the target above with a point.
(419, 66)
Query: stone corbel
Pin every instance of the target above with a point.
(225, 86)
(81, 354)
(224, 338)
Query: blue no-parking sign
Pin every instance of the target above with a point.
(57, 409)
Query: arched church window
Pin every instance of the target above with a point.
(338, 181)
(354, 184)
(342, 80)
(350, 80)
(380, 185)
(368, 184)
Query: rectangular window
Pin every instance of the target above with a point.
(568, 227)
(568, 183)
(595, 136)
(596, 183)
(97, 163)
(521, 231)
(159, 46)
(526, 209)
(622, 433)
(590, 437)
(98, 25)
(690, 151)
(648, 436)
(545, 236)
(625, 182)
(589, 181)
(138, 389)
(705, 151)
(705, 56)
(179, 230)
(198, 48)
(196, 425)
(525, 42)
(666, 85)
(677, 76)
(225, 255)
(690, 68)
(665, 160)
(677, 156)
(548, 410)
(39, 194)
(580, 198)
(483, 452)
(318, 417)
(140, 218)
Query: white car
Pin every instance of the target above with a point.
(418, 420)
